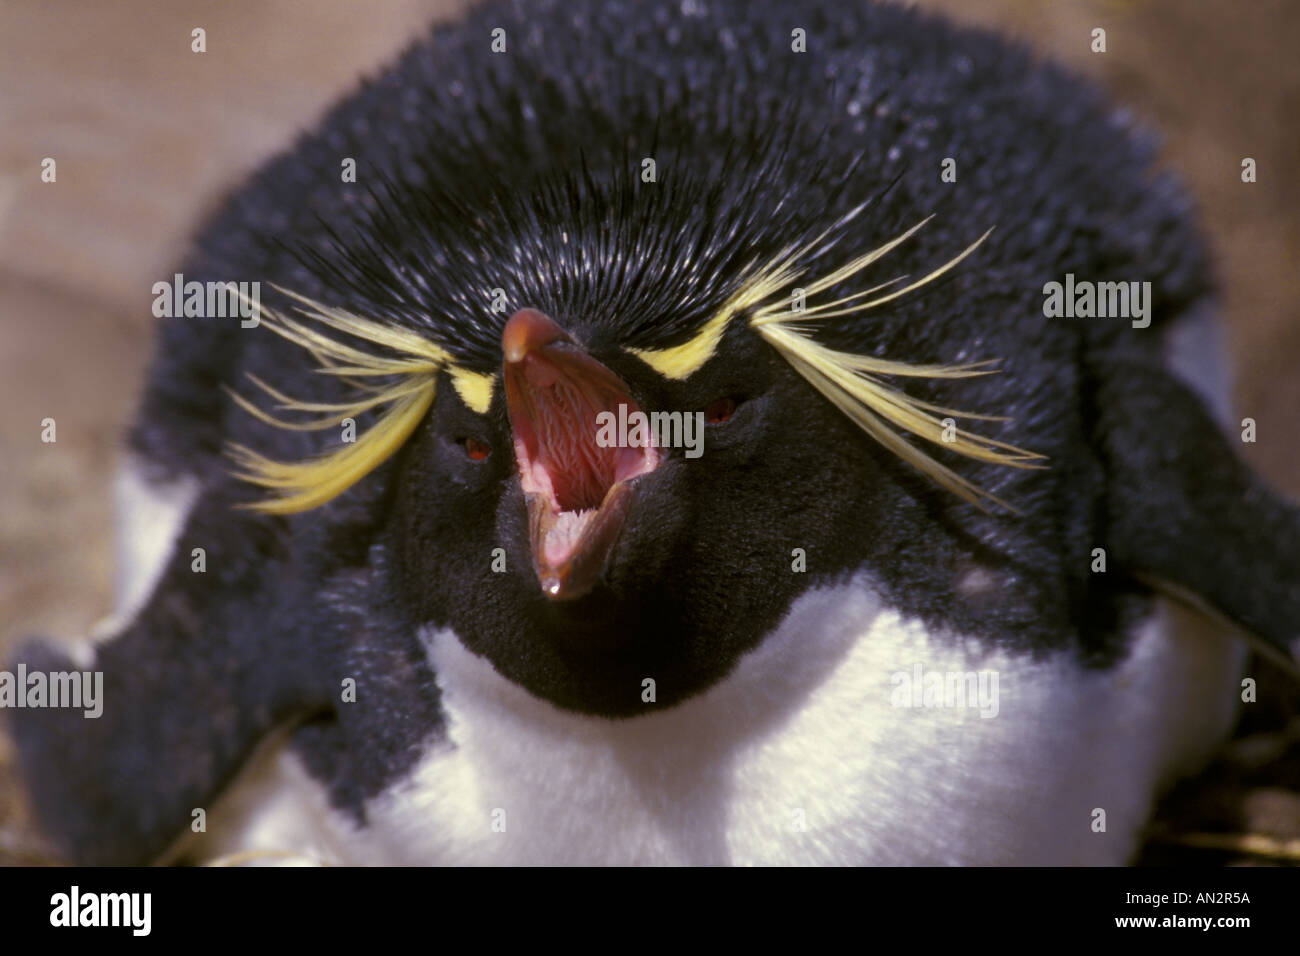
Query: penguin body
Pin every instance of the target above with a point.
(797, 758)
(460, 640)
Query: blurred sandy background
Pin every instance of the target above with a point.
(147, 135)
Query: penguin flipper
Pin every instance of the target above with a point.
(1186, 514)
(205, 671)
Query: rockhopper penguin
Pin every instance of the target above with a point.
(884, 589)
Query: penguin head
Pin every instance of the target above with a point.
(581, 561)
(625, 425)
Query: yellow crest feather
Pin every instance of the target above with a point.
(407, 386)
(306, 485)
(851, 382)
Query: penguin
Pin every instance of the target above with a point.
(670, 448)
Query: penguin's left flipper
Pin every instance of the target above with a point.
(1185, 513)
(205, 672)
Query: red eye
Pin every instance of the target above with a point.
(475, 449)
(719, 410)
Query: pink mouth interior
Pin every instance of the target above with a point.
(555, 442)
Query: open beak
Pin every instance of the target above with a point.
(578, 492)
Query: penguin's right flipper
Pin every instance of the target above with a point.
(1185, 513)
(206, 670)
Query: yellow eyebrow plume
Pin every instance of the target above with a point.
(402, 380)
(682, 361)
(306, 485)
(408, 379)
(852, 382)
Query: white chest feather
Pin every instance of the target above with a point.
(817, 749)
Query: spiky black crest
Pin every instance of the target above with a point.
(576, 230)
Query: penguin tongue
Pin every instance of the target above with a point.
(577, 490)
